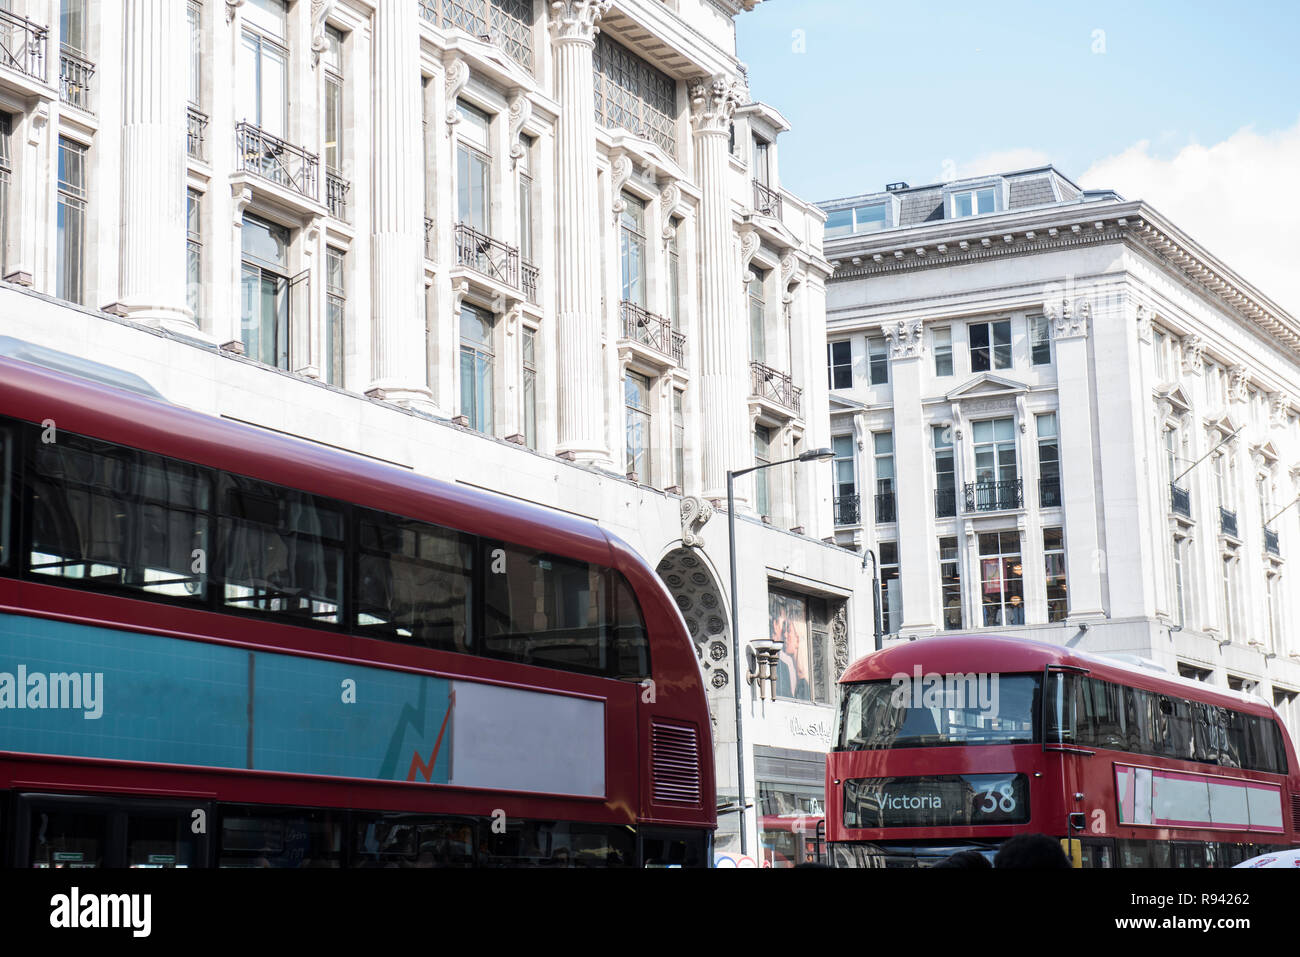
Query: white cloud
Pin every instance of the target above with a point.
(999, 161)
(1234, 198)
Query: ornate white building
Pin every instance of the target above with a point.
(535, 247)
(1056, 414)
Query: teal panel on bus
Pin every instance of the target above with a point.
(77, 690)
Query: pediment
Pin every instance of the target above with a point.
(1267, 451)
(839, 403)
(1225, 422)
(1175, 396)
(987, 386)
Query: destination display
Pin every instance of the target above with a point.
(948, 800)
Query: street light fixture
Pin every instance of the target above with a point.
(812, 455)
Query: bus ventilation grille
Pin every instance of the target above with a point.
(676, 760)
(1295, 812)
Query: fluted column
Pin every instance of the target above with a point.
(152, 254)
(727, 442)
(397, 247)
(578, 352)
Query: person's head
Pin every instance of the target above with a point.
(1032, 851)
(967, 860)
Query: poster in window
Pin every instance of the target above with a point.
(788, 618)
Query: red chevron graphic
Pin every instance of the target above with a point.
(416, 763)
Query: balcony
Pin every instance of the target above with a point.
(847, 510)
(1228, 522)
(486, 255)
(196, 125)
(945, 502)
(767, 202)
(22, 46)
(773, 386)
(270, 157)
(994, 496)
(529, 274)
(1271, 545)
(506, 24)
(886, 508)
(75, 72)
(643, 326)
(1180, 501)
(336, 195)
(1049, 492)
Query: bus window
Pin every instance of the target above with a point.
(412, 840)
(413, 582)
(108, 516)
(631, 643)
(544, 610)
(262, 837)
(280, 551)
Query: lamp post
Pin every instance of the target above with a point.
(875, 595)
(812, 455)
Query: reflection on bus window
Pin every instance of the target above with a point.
(989, 709)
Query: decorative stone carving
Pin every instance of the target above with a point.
(749, 243)
(695, 513)
(231, 7)
(1239, 387)
(669, 200)
(906, 340)
(241, 195)
(1069, 318)
(1193, 354)
(320, 9)
(458, 294)
(576, 19)
(840, 640)
(621, 170)
(1144, 323)
(521, 108)
(789, 264)
(1279, 409)
(713, 103)
(456, 80)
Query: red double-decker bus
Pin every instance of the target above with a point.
(960, 742)
(221, 646)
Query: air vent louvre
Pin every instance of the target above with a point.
(1295, 812)
(676, 764)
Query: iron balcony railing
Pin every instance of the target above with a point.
(994, 496)
(1271, 543)
(885, 510)
(22, 45)
(196, 125)
(767, 202)
(1180, 501)
(75, 72)
(428, 238)
(529, 273)
(945, 502)
(336, 195)
(641, 325)
(1227, 521)
(775, 386)
(270, 157)
(846, 510)
(1049, 492)
(489, 256)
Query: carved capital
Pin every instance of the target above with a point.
(713, 103)
(1193, 354)
(1239, 388)
(576, 19)
(521, 108)
(695, 513)
(905, 339)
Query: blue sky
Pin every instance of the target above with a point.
(890, 91)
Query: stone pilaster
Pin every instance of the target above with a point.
(573, 26)
(152, 254)
(397, 250)
(727, 444)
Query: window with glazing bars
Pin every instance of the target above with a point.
(336, 310)
(6, 171)
(634, 96)
(507, 24)
(71, 220)
(194, 251)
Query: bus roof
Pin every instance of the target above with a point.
(120, 414)
(1005, 654)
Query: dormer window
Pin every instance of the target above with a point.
(973, 202)
(859, 219)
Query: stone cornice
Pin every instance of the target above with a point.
(1136, 224)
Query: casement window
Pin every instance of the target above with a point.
(6, 173)
(883, 450)
(990, 345)
(762, 167)
(973, 202)
(194, 23)
(943, 352)
(679, 439)
(1054, 559)
(762, 455)
(878, 360)
(1002, 584)
(674, 278)
(1040, 340)
(757, 317)
(1180, 579)
(945, 472)
(839, 364)
(858, 219)
(632, 250)
(950, 611)
(845, 491)
(636, 401)
(332, 60)
(1049, 461)
(891, 589)
(996, 474)
(336, 311)
(526, 228)
(528, 348)
(474, 169)
(265, 291)
(194, 251)
(262, 68)
(477, 360)
(70, 266)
